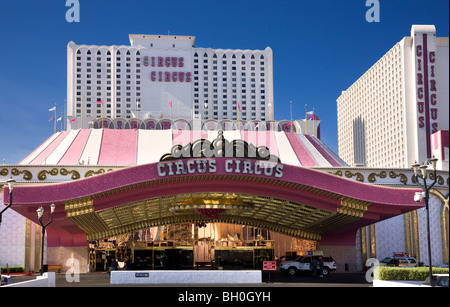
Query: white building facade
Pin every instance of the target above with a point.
(161, 76)
(387, 117)
(393, 115)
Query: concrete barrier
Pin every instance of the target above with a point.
(46, 280)
(186, 277)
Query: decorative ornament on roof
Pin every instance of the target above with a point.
(220, 148)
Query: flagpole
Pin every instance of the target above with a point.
(314, 124)
(239, 116)
(273, 111)
(102, 113)
(65, 116)
(63, 123)
(306, 117)
(171, 116)
(137, 110)
(55, 117)
(204, 115)
(270, 110)
(82, 113)
(291, 117)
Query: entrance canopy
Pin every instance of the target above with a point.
(296, 201)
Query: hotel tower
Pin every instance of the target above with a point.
(161, 76)
(398, 111)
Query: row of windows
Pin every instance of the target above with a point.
(233, 116)
(232, 68)
(108, 53)
(205, 55)
(108, 59)
(243, 63)
(224, 56)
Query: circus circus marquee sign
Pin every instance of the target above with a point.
(224, 166)
(206, 157)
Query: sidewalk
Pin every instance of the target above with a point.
(278, 280)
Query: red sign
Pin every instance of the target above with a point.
(426, 96)
(166, 76)
(403, 254)
(269, 266)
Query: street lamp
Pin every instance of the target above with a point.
(426, 195)
(40, 213)
(10, 183)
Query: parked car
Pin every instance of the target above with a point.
(5, 280)
(302, 264)
(402, 262)
(439, 280)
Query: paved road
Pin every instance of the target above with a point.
(278, 279)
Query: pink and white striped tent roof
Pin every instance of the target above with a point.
(137, 147)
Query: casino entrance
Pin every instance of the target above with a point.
(214, 217)
(210, 246)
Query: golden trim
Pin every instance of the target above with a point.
(373, 241)
(403, 178)
(337, 173)
(37, 248)
(92, 173)
(27, 255)
(372, 177)
(363, 246)
(359, 176)
(298, 220)
(42, 175)
(353, 207)
(444, 223)
(440, 180)
(27, 174)
(415, 233)
(445, 232)
(75, 174)
(407, 224)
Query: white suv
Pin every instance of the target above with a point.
(304, 264)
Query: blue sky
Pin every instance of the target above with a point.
(320, 48)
